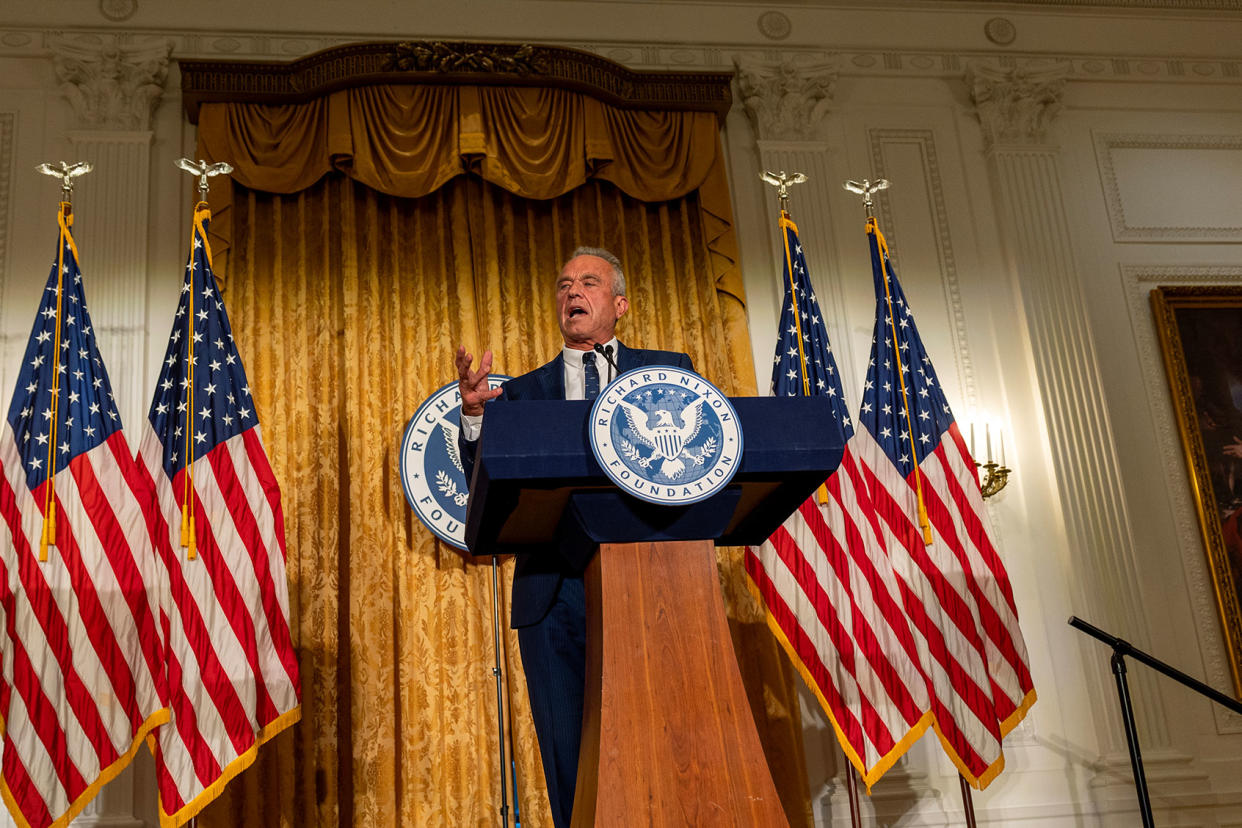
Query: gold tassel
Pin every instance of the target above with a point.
(48, 538)
(188, 533)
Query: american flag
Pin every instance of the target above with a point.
(82, 680)
(954, 586)
(232, 669)
(825, 576)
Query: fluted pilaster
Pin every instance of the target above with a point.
(12, 342)
(787, 104)
(1015, 107)
(111, 219)
(114, 88)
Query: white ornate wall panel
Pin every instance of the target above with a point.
(910, 158)
(29, 204)
(1174, 187)
(111, 231)
(810, 208)
(1166, 552)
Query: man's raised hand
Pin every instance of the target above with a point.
(473, 384)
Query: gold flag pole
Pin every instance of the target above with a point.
(64, 218)
(866, 189)
(204, 171)
(783, 182)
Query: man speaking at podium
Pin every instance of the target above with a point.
(548, 604)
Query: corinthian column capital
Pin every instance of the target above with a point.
(786, 101)
(112, 85)
(1016, 104)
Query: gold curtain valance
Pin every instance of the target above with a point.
(409, 140)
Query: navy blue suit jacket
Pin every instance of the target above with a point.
(537, 576)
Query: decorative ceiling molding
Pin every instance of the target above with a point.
(1170, 5)
(451, 62)
(1116, 67)
(1142, 5)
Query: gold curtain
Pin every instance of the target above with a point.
(348, 302)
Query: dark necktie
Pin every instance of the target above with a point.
(590, 376)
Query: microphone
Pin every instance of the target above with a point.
(606, 352)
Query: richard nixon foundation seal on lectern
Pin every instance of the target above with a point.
(666, 435)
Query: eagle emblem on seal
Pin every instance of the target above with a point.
(667, 436)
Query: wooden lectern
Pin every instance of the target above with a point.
(668, 738)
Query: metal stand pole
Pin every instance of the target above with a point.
(500, 693)
(1121, 649)
(968, 801)
(513, 771)
(851, 788)
(1136, 758)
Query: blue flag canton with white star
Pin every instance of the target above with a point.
(807, 323)
(86, 414)
(883, 410)
(223, 407)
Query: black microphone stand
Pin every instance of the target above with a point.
(500, 695)
(1121, 649)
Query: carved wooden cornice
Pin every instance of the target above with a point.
(450, 62)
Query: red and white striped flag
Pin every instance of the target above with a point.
(954, 585)
(232, 669)
(825, 577)
(83, 661)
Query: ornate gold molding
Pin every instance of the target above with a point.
(450, 62)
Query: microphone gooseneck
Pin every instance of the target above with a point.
(606, 352)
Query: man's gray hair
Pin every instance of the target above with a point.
(618, 276)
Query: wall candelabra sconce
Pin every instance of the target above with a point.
(996, 473)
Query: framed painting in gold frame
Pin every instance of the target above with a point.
(1200, 331)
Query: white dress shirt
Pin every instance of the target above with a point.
(575, 383)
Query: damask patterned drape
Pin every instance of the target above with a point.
(363, 236)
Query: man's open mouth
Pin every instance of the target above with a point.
(576, 312)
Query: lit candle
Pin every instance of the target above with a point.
(972, 440)
(1002, 447)
(987, 432)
